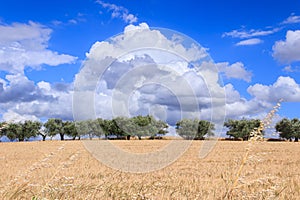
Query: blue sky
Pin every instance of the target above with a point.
(43, 45)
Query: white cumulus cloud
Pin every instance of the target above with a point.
(26, 45)
(11, 116)
(284, 88)
(288, 50)
(236, 70)
(21, 98)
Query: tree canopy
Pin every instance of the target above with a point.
(194, 128)
(21, 131)
(55, 126)
(241, 128)
(289, 129)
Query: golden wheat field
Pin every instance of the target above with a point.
(66, 170)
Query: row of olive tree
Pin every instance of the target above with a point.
(24, 130)
(121, 127)
(287, 129)
(20, 131)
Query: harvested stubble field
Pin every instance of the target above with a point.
(66, 170)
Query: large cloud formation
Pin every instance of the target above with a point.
(144, 71)
(166, 78)
(26, 46)
(151, 71)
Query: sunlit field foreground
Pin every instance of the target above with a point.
(66, 170)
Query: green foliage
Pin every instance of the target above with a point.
(296, 128)
(29, 129)
(289, 129)
(142, 126)
(205, 128)
(55, 126)
(162, 127)
(241, 128)
(121, 126)
(96, 127)
(107, 127)
(13, 131)
(93, 127)
(21, 131)
(69, 129)
(124, 127)
(194, 128)
(81, 128)
(284, 127)
(148, 126)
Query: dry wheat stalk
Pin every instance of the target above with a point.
(255, 135)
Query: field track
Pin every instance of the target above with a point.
(66, 170)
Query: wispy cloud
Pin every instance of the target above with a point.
(292, 19)
(249, 33)
(56, 22)
(244, 34)
(72, 21)
(290, 69)
(248, 42)
(118, 12)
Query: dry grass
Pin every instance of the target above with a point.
(65, 170)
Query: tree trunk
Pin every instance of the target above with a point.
(61, 136)
(128, 137)
(44, 137)
(140, 137)
(296, 139)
